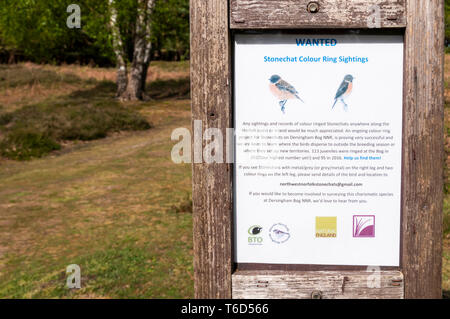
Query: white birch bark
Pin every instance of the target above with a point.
(122, 73)
(141, 54)
(148, 46)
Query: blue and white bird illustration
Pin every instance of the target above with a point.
(283, 91)
(344, 91)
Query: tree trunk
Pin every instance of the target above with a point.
(133, 87)
(148, 46)
(122, 74)
(144, 77)
(12, 57)
(134, 90)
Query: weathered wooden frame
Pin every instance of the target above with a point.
(212, 23)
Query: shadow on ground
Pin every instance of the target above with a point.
(157, 90)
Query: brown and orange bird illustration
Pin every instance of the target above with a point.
(283, 91)
(344, 91)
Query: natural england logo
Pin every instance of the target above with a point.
(326, 227)
(363, 226)
(255, 237)
(279, 233)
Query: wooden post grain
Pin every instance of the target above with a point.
(423, 153)
(212, 183)
(337, 284)
(291, 14)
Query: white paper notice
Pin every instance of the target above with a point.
(318, 149)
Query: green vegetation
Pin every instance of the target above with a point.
(36, 31)
(23, 144)
(37, 129)
(117, 206)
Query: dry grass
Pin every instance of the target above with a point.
(84, 77)
(106, 205)
(159, 70)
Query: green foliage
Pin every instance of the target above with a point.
(23, 144)
(87, 111)
(170, 28)
(33, 131)
(37, 30)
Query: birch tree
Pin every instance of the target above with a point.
(131, 85)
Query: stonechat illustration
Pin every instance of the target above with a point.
(283, 91)
(344, 91)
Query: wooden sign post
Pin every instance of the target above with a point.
(216, 26)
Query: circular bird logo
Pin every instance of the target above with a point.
(255, 230)
(279, 233)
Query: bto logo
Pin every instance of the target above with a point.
(326, 227)
(255, 238)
